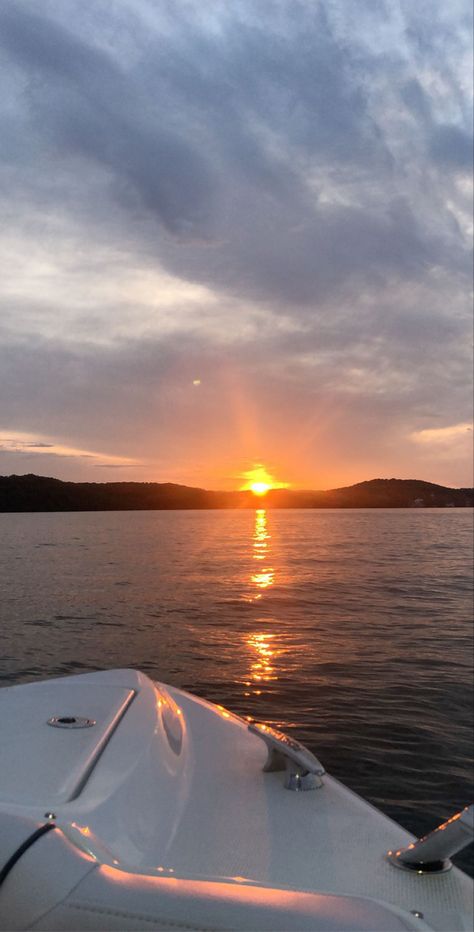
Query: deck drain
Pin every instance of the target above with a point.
(70, 721)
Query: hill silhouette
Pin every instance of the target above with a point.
(40, 493)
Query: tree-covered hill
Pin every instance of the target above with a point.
(39, 493)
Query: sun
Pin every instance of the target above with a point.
(260, 488)
(260, 481)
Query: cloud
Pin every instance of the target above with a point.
(271, 198)
(443, 434)
(120, 466)
(22, 444)
(84, 107)
(452, 147)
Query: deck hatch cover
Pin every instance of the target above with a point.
(49, 766)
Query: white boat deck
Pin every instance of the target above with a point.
(177, 790)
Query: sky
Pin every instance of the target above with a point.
(236, 235)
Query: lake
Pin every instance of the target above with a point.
(351, 629)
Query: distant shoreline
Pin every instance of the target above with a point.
(31, 493)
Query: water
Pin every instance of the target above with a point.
(350, 629)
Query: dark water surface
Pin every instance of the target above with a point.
(350, 629)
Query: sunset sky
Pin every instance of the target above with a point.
(236, 234)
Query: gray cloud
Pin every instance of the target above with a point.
(452, 147)
(119, 466)
(306, 163)
(81, 104)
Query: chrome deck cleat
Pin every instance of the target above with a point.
(303, 769)
(431, 854)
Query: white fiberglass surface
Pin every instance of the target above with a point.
(47, 765)
(211, 811)
(179, 790)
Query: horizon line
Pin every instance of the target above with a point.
(282, 488)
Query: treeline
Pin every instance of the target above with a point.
(38, 493)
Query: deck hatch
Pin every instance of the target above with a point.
(50, 765)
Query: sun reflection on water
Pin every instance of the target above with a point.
(262, 644)
(264, 577)
(262, 669)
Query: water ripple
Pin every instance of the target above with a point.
(352, 630)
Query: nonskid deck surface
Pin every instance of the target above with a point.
(178, 790)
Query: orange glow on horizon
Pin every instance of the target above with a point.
(260, 481)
